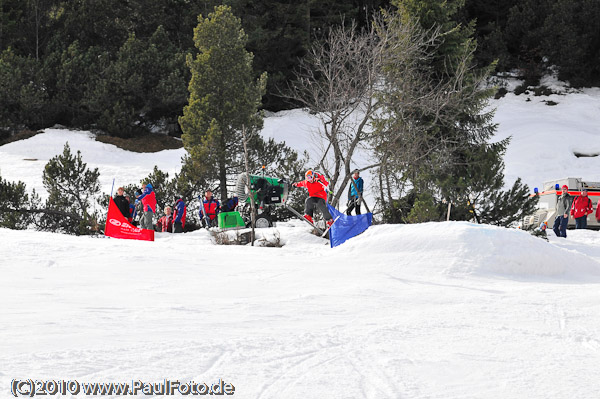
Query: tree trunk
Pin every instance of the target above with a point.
(222, 168)
(252, 204)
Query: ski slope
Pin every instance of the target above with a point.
(438, 310)
(435, 310)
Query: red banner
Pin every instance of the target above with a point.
(118, 227)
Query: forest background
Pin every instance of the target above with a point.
(119, 66)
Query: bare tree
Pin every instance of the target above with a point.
(376, 89)
(337, 81)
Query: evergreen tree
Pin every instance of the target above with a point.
(425, 209)
(572, 41)
(71, 74)
(72, 189)
(491, 18)
(23, 97)
(11, 20)
(524, 37)
(142, 87)
(13, 200)
(105, 23)
(224, 96)
(439, 142)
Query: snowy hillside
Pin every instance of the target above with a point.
(544, 141)
(439, 310)
(435, 310)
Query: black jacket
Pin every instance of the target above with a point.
(123, 205)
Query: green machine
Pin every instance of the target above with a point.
(268, 192)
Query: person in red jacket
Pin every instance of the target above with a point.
(316, 185)
(581, 208)
(210, 208)
(165, 223)
(148, 200)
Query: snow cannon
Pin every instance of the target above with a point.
(268, 192)
(265, 190)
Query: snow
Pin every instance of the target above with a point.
(545, 138)
(25, 160)
(433, 310)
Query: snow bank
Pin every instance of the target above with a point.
(461, 248)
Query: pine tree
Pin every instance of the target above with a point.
(524, 36)
(72, 188)
(440, 142)
(23, 98)
(224, 96)
(144, 85)
(572, 41)
(13, 200)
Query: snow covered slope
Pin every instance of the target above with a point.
(545, 138)
(439, 310)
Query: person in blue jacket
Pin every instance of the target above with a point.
(179, 215)
(354, 196)
(132, 211)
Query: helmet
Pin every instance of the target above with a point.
(309, 174)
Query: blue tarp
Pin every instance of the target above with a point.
(346, 226)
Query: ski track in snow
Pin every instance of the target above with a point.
(305, 321)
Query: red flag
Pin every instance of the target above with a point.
(117, 226)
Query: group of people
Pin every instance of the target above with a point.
(173, 220)
(579, 207)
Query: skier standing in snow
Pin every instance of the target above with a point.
(148, 200)
(355, 196)
(316, 185)
(179, 215)
(563, 207)
(121, 202)
(210, 207)
(581, 208)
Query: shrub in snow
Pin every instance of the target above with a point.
(13, 197)
(72, 189)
